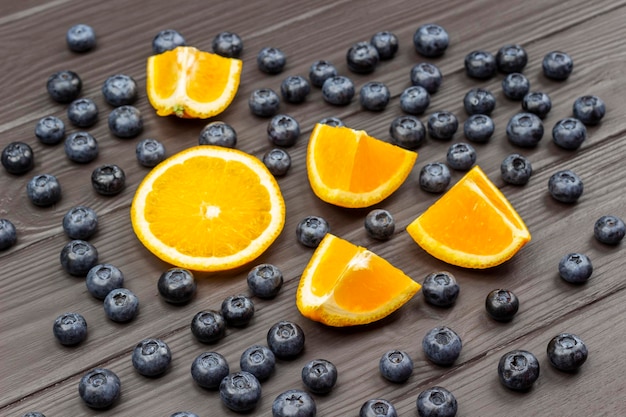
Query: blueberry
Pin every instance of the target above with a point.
(8, 234)
(515, 86)
(108, 179)
(70, 329)
(18, 158)
(208, 369)
(227, 44)
(81, 38)
(478, 128)
(407, 131)
(565, 186)
(338, 90)
(78, 257)
(166, 40)
(285, 339)
(64, 86)
(219, 134)
(567, 352)
(518, 370)
(524, 130)
(609, 230)
(319, 376)
(264, 102)
(184, 414)
(208, 326)
(44, 190)
(442, 125)
(119, 90)
(81, 147)
(295, 89)
(427, 75)
(386, 43)
(265, 280)
(436, 402)
(362, 58)
(479, 101)
(320, 71)
(259, 361)
(502, 305)
(516, 169)
(435, 177)
(431, 40)
(557, 65)
(82, 112)
(374, 96)
(283, 130)
(149, 152)
(332, 121)
(237, 310)
(177, 285)
(103, 278)
(440, 289)
(278, 161)
(569, 133)
(121, 305)
(151, 357)
(537, 103)
(511, 58)
(395, 366)
(575, 268)
(294, 403)
(442, 345)
(461, 156)
(379, 224)
(271, 60)
(99, 388)
(589, 109)
(50, 130)
(377, 407)
(414, 100)
(240, 391)
(480, 65)
(33, 414)
(125, 121)
(311, 230)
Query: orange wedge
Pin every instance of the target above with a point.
(472, 225)
(346, 285)
(349, 168)
(208, 208)
(191, 83)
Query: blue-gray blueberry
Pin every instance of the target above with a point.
(609, 229)
(119, 90)
(515, 86)
(294, 403)
(149, 152)
(295, 89)
(227, 44)
(478, 128)
(240, 391)
(264, 102)
(286, 339)
(511, 58)
(208, 326)
(166, 40)
(501, 304)
(338, 90)
(319, 376)
(516, 169)
(362, 58)
(99, 388)
(208, 369)
(434, 177)
(524, 129)
(80, 222)
(259, 360)
(379, 224)
(121, 305)
(565, 186)
(81, 147)
(177, 285)
(461, 156)
(108, 179)
(70, 329)
(569, 133)
(320, 71)
(218, 133)
(265, 280)
(103, 278)
(440, 289)
(426, 75)
(151, 357)
(82, 112)
(386, 43)
(557, 65)
(81, 38)
(125, 121)
(78, 257)
(271, 60)
(575, 268)
(8, 234)
(395, 366)
(277, 161)
(374, 96)
(518, 370)
(436, 402)
(431, 40)
(538, 103)
(480, 65)
(589, 109)
(442, 345)
(311, 230)
(567, 352)
(407, 131)
(283, 130)
(479, 101)
(377, 407)
(64, 86)
(50, 130)
(18, 158)
(414, 100)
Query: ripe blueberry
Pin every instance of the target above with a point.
(50, 130)
(285, 339)
(177, 285)
(283, 130)
(8, 234)
(264, 102)
(436, 402)
(151, 357)
(377, 407)
(538, 103)
(64, 86)
(480, 65)
(461, 156)
(575, 268)
(386, 43)
(99, 388)
(565, 186)
(338, 90)
(434, 177)
(515, 86)
(319, 376)
(479, 101)
(374, 96)
(511, 58)
(119, 90)
(240, 391)
(70, 329)
(320, 71)
(362, 57)
(311, 230)
(81, 38)
(82, 112)
(125, 121)
(103, 278)
(524, 129)
(478, 128)
(149, 152)
(395, 366)
(121, 305)
(516, 169)
(271, 60)
(501, 305)
(208, 326)
(557, 65)
(227, 44)
(208, 369)
(414, 100)
(259, 360)
(440, 289)
(265, 280)
(379, 224)
(166, 40)
(332, 121)
(442, 345)
(442, 125)
(80, 222)
(569, 133)
(78, 257)
(81, 147)
(18, 158)
(567, 352)
(407, 131)
(589, 109)
(427, 75)
(431, 40)
(609, 230)
(518, 370)
(277, 161)
(294, 403)
(237, 310)
(295, 89)
(44, 190)
(219, 134)
(108, 179)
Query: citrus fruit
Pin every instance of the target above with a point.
(208, 208)
(346, 285)
(191, 83)
(472, 225)
(349, 168)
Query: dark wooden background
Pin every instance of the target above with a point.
(39, 374)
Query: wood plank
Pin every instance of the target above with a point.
(36, 289)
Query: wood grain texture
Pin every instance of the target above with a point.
(38, 374)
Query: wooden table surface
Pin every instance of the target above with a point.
(37, 373)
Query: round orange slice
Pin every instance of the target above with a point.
(191, 83)
(208, 208)
(349, 168)
(472, 225)
(346, 285)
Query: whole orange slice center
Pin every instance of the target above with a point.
(345, 284)
(472, 225)
(208, 208)
(349, 168)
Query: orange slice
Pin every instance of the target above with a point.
(472, 225)
(346, 285)
(348, 168)
(208, 208)
(191, 83)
